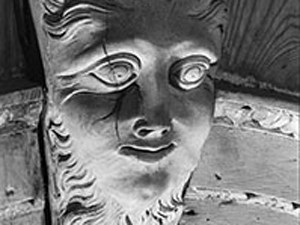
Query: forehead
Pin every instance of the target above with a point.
(79, 25)
(119, 18)
(158, 21)
(161, 27)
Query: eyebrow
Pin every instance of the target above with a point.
(63, 20)
(186, 48)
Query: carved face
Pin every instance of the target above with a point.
(131, 85)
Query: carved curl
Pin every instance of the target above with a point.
(215, 13)
(63, 17)
(74, 197)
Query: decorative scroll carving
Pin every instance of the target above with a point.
(259, 117)
(22, 208)
(14, 115)
(247, 198)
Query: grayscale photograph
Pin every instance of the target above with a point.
(149, 112)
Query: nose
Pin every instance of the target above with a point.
(143, 130)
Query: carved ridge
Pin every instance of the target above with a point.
(262, 118)
(75, 198)
(247, 198)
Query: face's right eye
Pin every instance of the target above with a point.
(118, 74)
(111, 74)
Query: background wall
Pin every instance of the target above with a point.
(262, 42)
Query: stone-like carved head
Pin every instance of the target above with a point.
(130, 102)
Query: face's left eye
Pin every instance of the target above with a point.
(193, 74)
(189, 73)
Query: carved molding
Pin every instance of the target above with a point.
(22, 208)
(20, 110)
(257, 116)
(226, 196)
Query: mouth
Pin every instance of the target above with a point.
(147, 154)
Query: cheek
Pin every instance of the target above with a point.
(192, 115)
(91, 122)
(194, 109)
(90, 113)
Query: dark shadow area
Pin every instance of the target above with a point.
(29, 43)
(34, 76)
(255, 91)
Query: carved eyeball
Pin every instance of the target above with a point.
(120, 73)
(189, 73)
(116, 74)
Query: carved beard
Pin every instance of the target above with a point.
(76, 199)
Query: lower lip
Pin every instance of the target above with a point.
(146, 155)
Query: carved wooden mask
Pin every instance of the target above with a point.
(129, 104)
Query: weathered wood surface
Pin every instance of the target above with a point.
(21, 183)
(32, 218)
(212, 212)
(262, 43)
(245, 162)
(247, 174)
(248, 160)
(245, 177)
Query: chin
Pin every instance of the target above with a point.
(155, 198)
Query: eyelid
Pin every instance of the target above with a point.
(210, 56)
(105, 77)
(107, 60)
(120, 56)
(113, 62)
(193, 59)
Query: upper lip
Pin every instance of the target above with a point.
(146, 153)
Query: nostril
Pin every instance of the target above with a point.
(144, 132)
(142, 129)
(152, 132)
(165, 131)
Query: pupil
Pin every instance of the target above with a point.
(193, 75)
(120, 73)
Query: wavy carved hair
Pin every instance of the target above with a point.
(62, 17)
